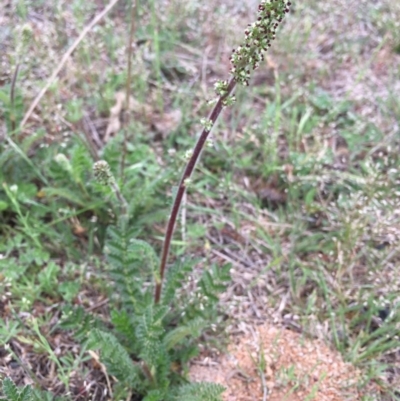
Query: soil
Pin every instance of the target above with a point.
(277, 364)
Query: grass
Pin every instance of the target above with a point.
(299, 189)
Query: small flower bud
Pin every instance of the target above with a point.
(207, 124)
(229, 101)
(188, 154)
(63, 162)
(26, 34)
(187, 182)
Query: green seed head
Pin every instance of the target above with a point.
(258, 37)
(102, 172)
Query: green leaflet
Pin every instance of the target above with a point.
(13, 393)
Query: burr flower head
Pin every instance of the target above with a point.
(102, 172)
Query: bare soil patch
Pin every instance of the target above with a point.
(277, 364)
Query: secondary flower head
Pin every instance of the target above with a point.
(63, 162)
(102, 172)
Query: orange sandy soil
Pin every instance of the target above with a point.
(295, 369)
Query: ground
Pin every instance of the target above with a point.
(272, 363)
(298, 189)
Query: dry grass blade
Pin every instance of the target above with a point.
(66, 56)
(12, 96)
(128, 84)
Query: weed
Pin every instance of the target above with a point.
(297, 189)
(158, 330)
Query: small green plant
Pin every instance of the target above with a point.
(151, 342)
(159, 314)
(12, 393)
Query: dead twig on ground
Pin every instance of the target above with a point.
(64, 59)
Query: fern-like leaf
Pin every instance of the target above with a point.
(81, 322)
(116, 359)
(67, 194)
(13, 393)
(10, 390)
(46, 396)
(176, 276)
(149, 332)
(81, 163)
(199, 392)
(192, 328)
(123, 323)
(154, 395)
(204, 301)
(132, 266)
(25, 394)
(214, 281)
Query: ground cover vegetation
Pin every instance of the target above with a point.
(292, 214)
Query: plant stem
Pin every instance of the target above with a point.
(122, 201)
(182, 186)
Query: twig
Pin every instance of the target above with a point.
(226, 258)
(24, 366)
(227, 253)
(98, 305)
(92, 137)
(103, 369)
(85, 138)
(128, 87)
(64, 60)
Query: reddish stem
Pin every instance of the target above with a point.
(182, 187)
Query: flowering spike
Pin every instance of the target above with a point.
(257, 39)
